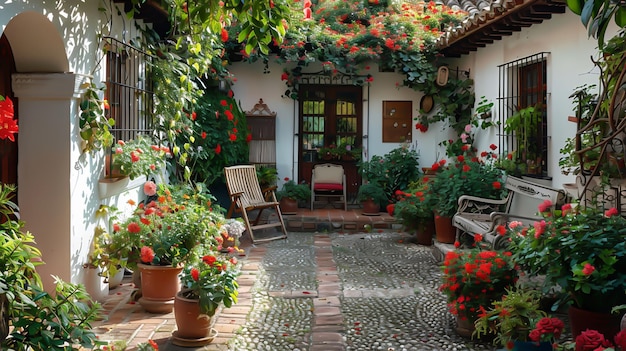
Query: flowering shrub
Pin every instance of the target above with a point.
(167, 231)
(465, 175)
(413, 206)
(211, 280)
(580, 249)
(294, 191)
(230, 232)
(139, 157)
(351, 34)
(219, 138)
(393, 171)
(8, 125)
(473, 279)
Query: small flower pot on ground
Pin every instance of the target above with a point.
(194, 328)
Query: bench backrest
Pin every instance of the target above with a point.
(527, 195)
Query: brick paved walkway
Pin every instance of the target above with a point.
(127, 321)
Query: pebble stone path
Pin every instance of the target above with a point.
(368, 291)
(332, 292)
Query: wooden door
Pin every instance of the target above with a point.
(330, 115)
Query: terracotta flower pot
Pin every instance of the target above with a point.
(288, 205)
(464, 327)
(424, 232)
(159, 286)
(444, 230)
(370, 207)
(192, 325)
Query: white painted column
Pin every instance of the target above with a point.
(44, 166)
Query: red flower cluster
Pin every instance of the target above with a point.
(8, 125)
(473, 279)
(421, 127)
(547, 329)
(592, 340)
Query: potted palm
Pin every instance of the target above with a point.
(267, 176)
(371, 196)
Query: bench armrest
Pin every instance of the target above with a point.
(497, 240)
(475, 204)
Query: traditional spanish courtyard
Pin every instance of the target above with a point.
(315, 175)
(320, 292)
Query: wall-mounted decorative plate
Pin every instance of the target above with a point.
(426, 103)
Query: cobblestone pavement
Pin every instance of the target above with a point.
(327, 292)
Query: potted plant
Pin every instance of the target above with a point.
(582, 250)
(331, 152)
(291, 194)
(161, 236)
(523, 126)
(350, 152)
(208, 283)
(511, 319)
(474, 278)
(371, 196)
(393, 171)
(413, 208)
(137, 157)
(267, 176)
(465, 175)
(230, 232)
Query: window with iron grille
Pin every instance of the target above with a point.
(522, 105)
(128, 90)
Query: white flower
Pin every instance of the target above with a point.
(234, 228)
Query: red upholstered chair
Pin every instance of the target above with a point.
(328, 180)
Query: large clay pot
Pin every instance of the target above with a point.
(288, 205)
(605, 323)
(424, 232)
(159, 286)
(194, 328)
(444, 230)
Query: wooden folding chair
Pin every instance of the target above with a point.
(246, 195)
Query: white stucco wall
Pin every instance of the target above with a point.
(54, 42)
(252, 84)
(568, 66)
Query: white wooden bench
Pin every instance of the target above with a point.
(476, 215)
